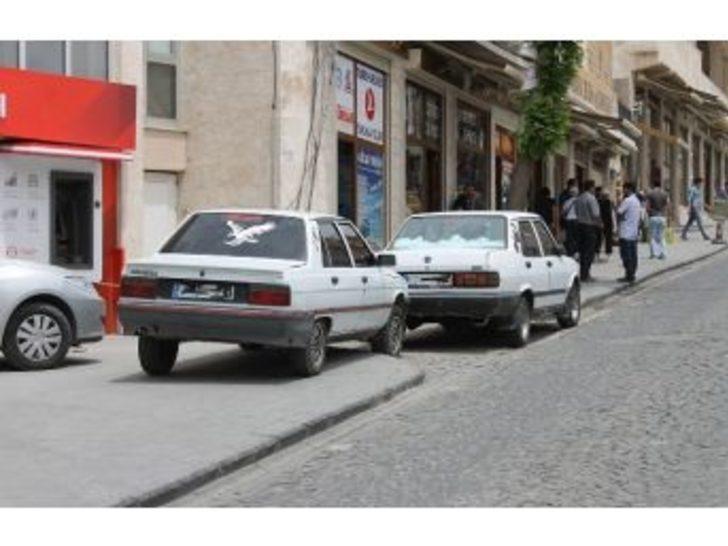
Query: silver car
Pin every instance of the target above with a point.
(44, 310)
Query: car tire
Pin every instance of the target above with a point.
(37, 337)
(390, 339)
(571, 314)
(413, 323)
(520, 332)
(308, 361)
(157, 356)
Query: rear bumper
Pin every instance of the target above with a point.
(433, 305)
(232, 324)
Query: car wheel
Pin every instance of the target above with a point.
(571, 314)
(157, 356)
(309, 360)
(37, 337)
(520, 331)
(389, 340)
(413, 323)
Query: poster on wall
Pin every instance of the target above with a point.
(370, 194)
(21, 215)
(344, 88)
(369, 104)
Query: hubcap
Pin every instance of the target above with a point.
(39, 337)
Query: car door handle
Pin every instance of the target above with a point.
(528, 265)
(334, 280)
(549, 263)
(365, 280)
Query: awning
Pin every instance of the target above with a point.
(606, 130)
(59, 150)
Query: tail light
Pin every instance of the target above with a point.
(476, 279)
(263, 294)
(138, 287)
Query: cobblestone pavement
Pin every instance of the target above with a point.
(629, 409)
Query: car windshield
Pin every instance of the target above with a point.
(452, 231)
(247, 235)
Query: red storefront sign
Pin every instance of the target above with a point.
(61, 116)
(59, 109)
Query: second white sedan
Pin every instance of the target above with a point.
(498, 267)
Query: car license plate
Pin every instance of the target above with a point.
(203, 291)
(429, 280)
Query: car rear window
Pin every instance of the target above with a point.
(240, 235)
(452, 231)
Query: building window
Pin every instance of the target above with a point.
(90, 59)
(46, 56)
(85, 59)
(424, 150)
(473, 151)
(360, 92)
(162, 80)
(10, 54)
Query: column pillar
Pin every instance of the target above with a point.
(645, 149)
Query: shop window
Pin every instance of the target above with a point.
(505, 163)
(46, 56)
(89, 59)
(472, 159)
(424, 150)
(72, 212)
(161, 80)
(9, 54)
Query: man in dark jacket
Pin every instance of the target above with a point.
(588, 222)
(468, 200)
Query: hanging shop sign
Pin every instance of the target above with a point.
(369, 104)
(370, 193)
(344, 86)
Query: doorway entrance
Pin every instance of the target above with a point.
(72, 219)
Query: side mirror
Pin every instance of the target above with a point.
(386, 260)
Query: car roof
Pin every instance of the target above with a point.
(277, 212)
(509, 214)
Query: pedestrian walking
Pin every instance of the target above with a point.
(606, 209)
(568, 216)
(695, 207)
(468, 199)
(657, 203)
(628, 216)
(588, 224)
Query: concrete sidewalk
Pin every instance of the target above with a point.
(679, 254)
(98, 432)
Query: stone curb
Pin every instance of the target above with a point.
(190, 482)
(588, 302)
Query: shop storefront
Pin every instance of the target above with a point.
(505, 163)
(361, 136)
(62, 141)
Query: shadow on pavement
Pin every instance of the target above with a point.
(265, 366)
(436, 339)
(69, 362)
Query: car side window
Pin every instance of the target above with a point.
(333, 247)
(363, 256)
(547, 241)
(529, 241)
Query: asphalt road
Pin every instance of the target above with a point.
(629, 409)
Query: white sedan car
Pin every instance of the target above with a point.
(262, 278)
(497, 267)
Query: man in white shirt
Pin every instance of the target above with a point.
(628, 215)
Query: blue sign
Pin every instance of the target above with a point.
(370, 194)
